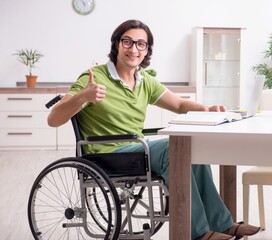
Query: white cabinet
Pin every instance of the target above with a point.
(66, 137)
(65, 134)
(23, 122)
(217, 66)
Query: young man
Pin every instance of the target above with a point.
(112, 99)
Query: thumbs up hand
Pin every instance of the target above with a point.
(94, 92)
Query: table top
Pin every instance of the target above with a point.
(260, 124)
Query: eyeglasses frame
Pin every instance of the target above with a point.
(133, 42)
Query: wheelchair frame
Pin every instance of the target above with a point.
(115, 192)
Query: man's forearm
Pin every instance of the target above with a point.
(64, 110)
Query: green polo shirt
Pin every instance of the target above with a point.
(121, 111)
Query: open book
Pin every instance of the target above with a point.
(206, 118)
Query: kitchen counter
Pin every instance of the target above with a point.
(62, 87)
(36, 90)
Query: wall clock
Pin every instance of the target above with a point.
(83, 7)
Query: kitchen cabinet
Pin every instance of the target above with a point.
(23, 122)
(217, 67)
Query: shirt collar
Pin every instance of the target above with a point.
(114, 74)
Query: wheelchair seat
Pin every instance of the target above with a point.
(98, 196)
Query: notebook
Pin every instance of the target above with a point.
(253, 98)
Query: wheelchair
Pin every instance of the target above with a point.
(98, 196)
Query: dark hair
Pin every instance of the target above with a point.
(120, 30)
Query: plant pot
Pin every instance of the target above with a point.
(31, 81)
(266, 100)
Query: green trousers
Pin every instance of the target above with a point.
(209, 212)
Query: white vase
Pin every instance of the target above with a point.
(266, 100)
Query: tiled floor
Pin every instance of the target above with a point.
(19, 169)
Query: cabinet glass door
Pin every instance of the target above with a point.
(221, 67)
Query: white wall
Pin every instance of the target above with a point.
(71, 42)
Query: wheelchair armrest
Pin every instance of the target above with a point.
(53, 101)
(151, 131)
(129, 136)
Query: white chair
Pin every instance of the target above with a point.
(259, 176)
(256, 176)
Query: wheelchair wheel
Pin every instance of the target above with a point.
(58, 209)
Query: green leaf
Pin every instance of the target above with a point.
(29, 57)
(266, 68)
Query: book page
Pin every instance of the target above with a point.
(206, 118)
(229, 115)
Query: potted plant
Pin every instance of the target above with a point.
(29, 57)
(266, 70)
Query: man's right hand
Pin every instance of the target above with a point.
(94, 92)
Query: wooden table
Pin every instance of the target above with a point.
(246, 142)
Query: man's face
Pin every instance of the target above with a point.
(132, 48)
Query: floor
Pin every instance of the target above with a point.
(19, 169)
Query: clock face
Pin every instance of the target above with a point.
(83, 7)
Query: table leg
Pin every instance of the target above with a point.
(228, 188)
(180, 188)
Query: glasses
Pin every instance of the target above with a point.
(128, 43)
